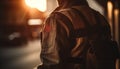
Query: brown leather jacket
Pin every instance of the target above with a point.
(58, 46)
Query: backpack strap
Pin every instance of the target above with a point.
(68, 23)
(82, 16)
(88, 28)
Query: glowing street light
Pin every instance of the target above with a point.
(110, 17)
(34, 22)
(38, 4)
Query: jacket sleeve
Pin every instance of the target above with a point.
(49, 52)
(55, 43)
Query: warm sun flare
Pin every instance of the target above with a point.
(39, 4)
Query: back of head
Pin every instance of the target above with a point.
(78, 2)
(71, 2)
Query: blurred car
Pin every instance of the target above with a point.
(11, 35)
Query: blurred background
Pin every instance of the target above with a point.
(21, 25)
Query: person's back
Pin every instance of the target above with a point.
(60, 48)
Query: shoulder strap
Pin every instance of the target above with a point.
(83, 17)
(87, 30)
(67, 22)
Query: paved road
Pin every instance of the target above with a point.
(23, 57)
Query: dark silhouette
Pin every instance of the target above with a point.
(71, 35)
